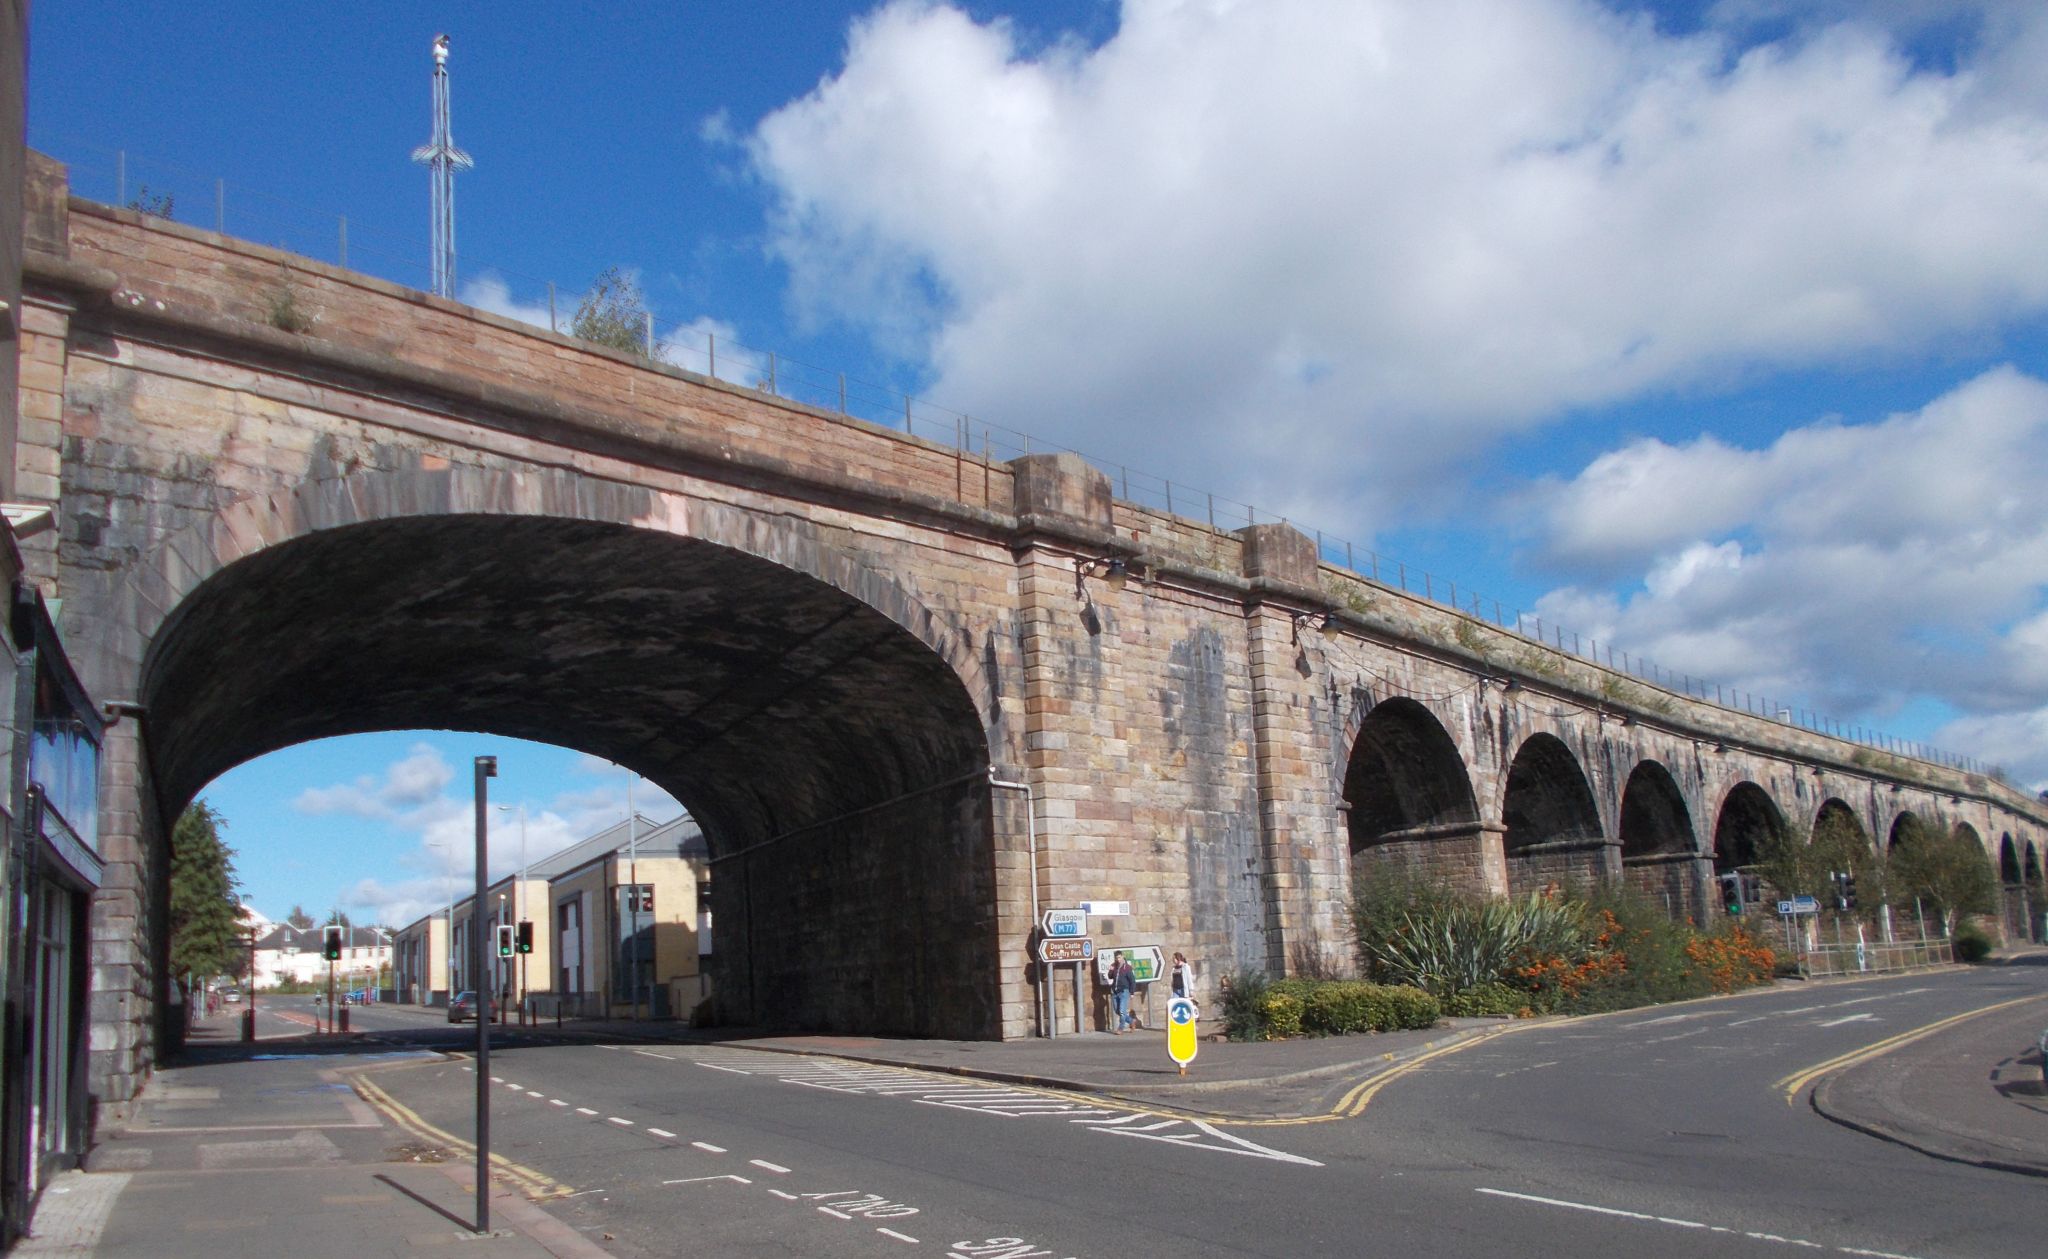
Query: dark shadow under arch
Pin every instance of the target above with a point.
(836, 762)
(1553, 825)
(1409, 797)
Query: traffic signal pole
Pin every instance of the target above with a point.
(486, 769)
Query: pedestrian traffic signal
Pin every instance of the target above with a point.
(504, 939)
(1845, 889)
(525, 936)
(330, 946)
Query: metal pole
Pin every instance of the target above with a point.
(344, 242)
(486, 769)
(633, 889)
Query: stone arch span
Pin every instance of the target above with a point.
(830, 732)
(1408, 797)
(1660, 854)
(1553, 832)
(1748, 822)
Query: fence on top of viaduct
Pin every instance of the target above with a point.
(295, 502)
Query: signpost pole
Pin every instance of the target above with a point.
(486, 769)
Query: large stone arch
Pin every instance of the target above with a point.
(1552, 824)
(831, 732)
(1660, 854)
(1409, 801)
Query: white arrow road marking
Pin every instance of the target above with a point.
(1852, 1018)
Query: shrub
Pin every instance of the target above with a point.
(1413, 1009)
(1489, 1000)
(1972, 945)
(1281, 1014)
(1448, 948)
(1244, 1001)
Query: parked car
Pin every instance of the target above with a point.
(462, 1007)
(231, 995)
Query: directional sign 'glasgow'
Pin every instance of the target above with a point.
(1066, 922)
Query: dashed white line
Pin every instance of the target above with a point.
(585, 1110)
(708, 1148)
(902, 1237)
(556, 1101)
(662, 1132)
(773, 1167)
(1616, 1212)
(535, 1093)
(623, 1123)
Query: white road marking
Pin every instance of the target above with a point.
(623, 1123)
(533, 1093)
(697, 1179)
(1669, 1018)
(556, 1101)
(648, 1053)
(1850, 1018)
(902, 1237)
(708, 1147)
(841, 1214)
(789, 1196)
(662, 1132)
(585, 1110)
(496, 1079)
(1642, 1217)
(773, 1167)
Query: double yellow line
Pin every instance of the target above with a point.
(530, 1182)
(1798, 1080)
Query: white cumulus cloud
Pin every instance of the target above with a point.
(1319, 252)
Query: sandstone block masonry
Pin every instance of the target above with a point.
(830, 639)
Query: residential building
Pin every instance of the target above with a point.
(631, 923)
(294, 954)
(420, 959)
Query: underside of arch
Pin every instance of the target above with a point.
(1408, 794)
(835, 761)
(1553, 826)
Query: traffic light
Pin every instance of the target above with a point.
(1845, 889)
(504, 939)
(525, 936)
(330, 944)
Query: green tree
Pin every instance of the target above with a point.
(1943, 871)
(205, 919)
(613, 313)
(299, 918)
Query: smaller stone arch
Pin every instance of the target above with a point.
(2008, 861)
(2012, 890)
(1660, 855)
(1553, 832)
(1748, 823)
(1409, 802)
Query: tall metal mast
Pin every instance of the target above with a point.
(442, 158)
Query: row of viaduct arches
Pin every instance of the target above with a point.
(1573, 807)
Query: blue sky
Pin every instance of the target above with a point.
(1717, 331)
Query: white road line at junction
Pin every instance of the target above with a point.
(1669, 1018)
(648, 1053)
(623, 1123)
(716, 1067)
(789, 1196)
(662, 1132)
(902, 1237)
(1850, 1018)
(698, 1179)
(773, 1167)
(556, 1101)
(535, 1093)
(708, 1147)
(585, 1110)
(841, 1214)
(1644, 1218)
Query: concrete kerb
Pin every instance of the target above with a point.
(1821, 1101)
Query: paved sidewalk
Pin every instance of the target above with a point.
(276, 1155)
(1970, 1093)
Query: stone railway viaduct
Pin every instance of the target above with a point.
(826, 638)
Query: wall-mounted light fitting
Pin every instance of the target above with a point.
(1321, 622)
(1113, 571)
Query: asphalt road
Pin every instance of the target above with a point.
(1665, 1132)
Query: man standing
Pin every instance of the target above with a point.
(1123, 981)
